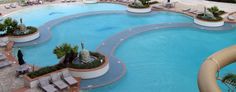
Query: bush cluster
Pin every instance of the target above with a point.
(45, 70)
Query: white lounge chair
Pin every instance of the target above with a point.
(230, 17)
(69, 78)
(5, 63)
(7, 6)
(56, 80)
(40, 1)
(44, 84)
(2, 57)
(63, 1)
(13, 5)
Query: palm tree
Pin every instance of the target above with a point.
(230, 81)
(63, 49)
(10, 25)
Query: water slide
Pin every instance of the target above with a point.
(207, 74)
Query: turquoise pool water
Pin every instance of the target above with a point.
(168, 60)
(49, 12)
(159, 61)
(92, 33)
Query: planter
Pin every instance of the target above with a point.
(82, 73)
(33, 82)
(89, 1)
(139, 10)
(91, 73)
(25, 38)
(208, 23)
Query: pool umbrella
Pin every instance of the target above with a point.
(20, 57)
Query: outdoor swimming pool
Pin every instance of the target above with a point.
(93, 33)
(163, 60)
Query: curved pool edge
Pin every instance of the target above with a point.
(45, 29)
(207, 81)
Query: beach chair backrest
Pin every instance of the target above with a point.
(66, 73)
(55, 77)
(43, 81)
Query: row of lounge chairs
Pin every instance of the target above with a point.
(63, 1)
(3, 61)
(56, 81)
(12, 5)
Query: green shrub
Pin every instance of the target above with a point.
(135, 6)
(10, 25)
(45, 70)
(215, 11)
(202, 17)
(61, 50)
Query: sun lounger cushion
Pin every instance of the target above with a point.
(56, 80)
(49, 88)
(70, 80)
(44, 84)
(68, 77)
(60, 84)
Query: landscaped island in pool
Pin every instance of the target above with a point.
(163, 60)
